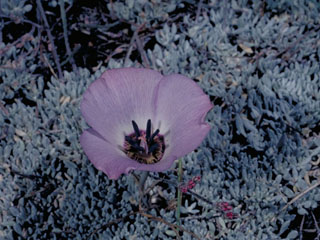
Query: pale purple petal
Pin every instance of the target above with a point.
(104, 156)
(181, 108)
(164, 164)
(175, 104)
(118, 97)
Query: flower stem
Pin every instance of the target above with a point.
(142, 181)
(143, 178)
(179, 198)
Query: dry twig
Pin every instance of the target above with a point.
(301, 227)
(171, 225)
(300, 195)
(65, 35)
(47, 27)
(111, 223)
(142, 52)
(199, 10)
(316, 225)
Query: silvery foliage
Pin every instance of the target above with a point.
(144, 11)
(15, 8)
(258, 156)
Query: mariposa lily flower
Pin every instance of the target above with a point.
(142, 120)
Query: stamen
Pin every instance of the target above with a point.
(154, 134)
(129, 139)
(143, 146)
(136, 128)
(148, 130)
(137, 147)
(153, 148)
(135, 143)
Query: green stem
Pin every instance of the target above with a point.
(179, 199)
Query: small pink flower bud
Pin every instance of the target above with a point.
(197, 178)
(184, 189)
(191, 184)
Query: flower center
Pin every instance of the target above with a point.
(143, 145)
